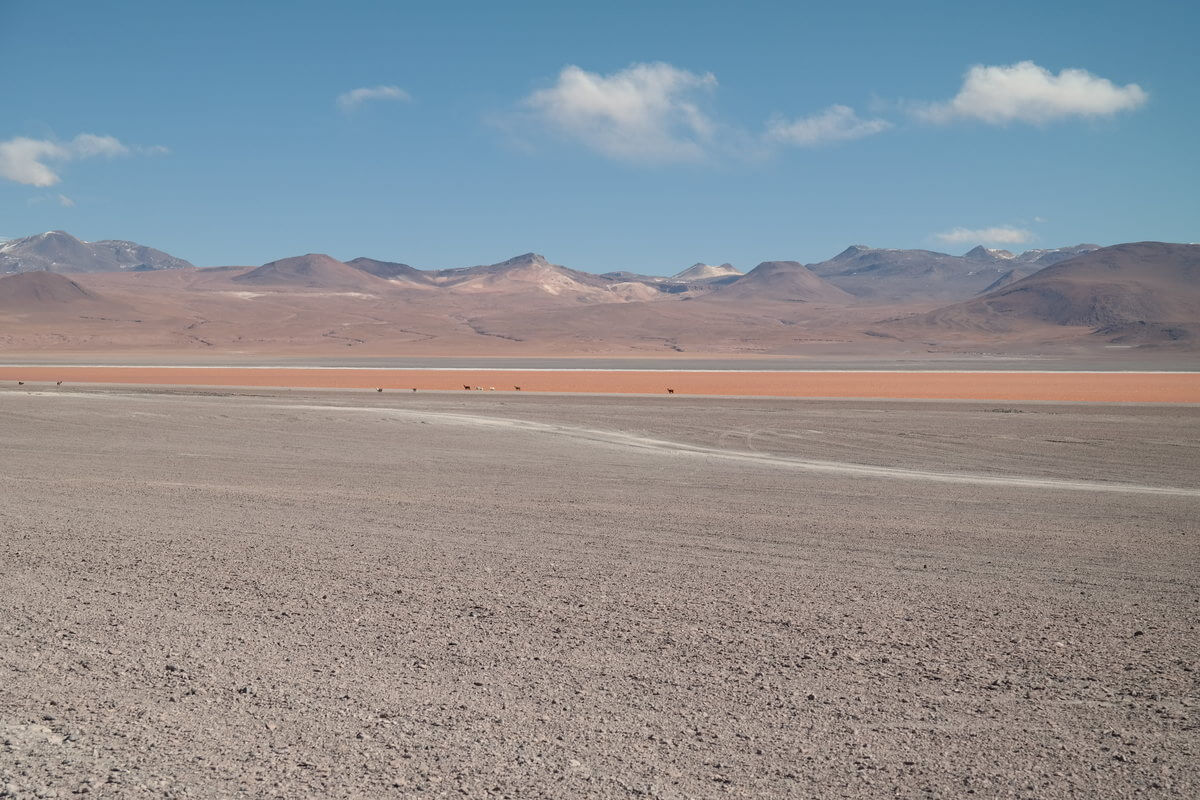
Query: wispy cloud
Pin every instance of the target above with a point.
(1026, 92)
(646, 112)
(89, 145)
(835, 124)
(65, 201)
(348, 101)
(1001, 234)
(28, 161)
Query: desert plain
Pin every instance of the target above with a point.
(561, 400)
(215, 592)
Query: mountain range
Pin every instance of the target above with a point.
(873, 274)
(1131, 293)
(58, 251)
(865, 274)
(63, 292)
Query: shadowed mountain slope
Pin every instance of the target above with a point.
(1151, 286)
(889, 276)
(392, 271)
(900, 276)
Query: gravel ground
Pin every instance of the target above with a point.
(350, 594)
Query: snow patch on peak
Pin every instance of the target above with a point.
(853, 250)
(982, 253)
(702, 271)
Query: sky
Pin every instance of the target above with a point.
(635, 136)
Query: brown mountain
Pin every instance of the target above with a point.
(312, 271)
(518, 271)
(392, 271)
(898, 276)
(788, 281)
(880, 275)
(39, 291)
(1011, 276)
(531, 275)
(1147, 289)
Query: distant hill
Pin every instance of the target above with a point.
(902, 276)
(311, 271)
(1045, 258)
(1007, 278)
(58, 251)
(517, 272)
(392, 271)
(1149, 290)
(787, 281)
(532, 275)
(708, 272)
(38, 291)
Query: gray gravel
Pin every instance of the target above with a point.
(241, 594)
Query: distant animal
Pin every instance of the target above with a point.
(58, 384)
(670, 391)
(414, 388)
(379, 390)
(20, 383)
(467, 387)
(518, 388)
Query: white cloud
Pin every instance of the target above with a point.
(21, 160)
(24, 160)
(834, 124)
(1025, 92)
(348, 101)
(87, 145)
(997, 235)
(646, 112)
(65, 201)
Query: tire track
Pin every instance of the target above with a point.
(628, 441)
(667, 447)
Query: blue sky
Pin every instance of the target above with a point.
(640, 136)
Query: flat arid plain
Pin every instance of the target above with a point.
(559, 400)
(224, 592)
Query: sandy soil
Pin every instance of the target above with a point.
(1175, 387)
(262, 593)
